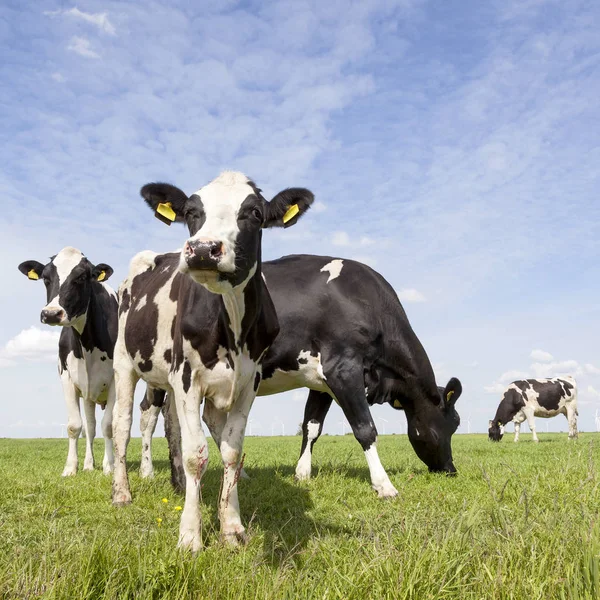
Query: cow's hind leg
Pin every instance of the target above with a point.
(150, 407)
(89, 408)
(572, 420)
(108, 463)
(531, 422)
(125, 382)
(315, 411)
(348, 386)
(215, 420)
(73, 423)
(173, 435)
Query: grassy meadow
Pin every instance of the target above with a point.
(520, 521)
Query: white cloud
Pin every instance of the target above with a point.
(100, 20)
(410, 295)
(495, 388)
(553, 369)
(82, 46)
(591, 369)
(340, 238)
(58, 77)
(318, 207)
(592, 391)
(541, 356)
(33, 344)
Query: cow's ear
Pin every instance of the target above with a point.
(166, 200)
(101, 272)
(32, 268)
(452, 391)
(287, 207)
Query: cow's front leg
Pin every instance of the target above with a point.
(517, 430)
(89, 408)
(108, 463)
(195, 459)
(232, 443)
(125, 382)
(73, 423)
(215, 420)
(173, 435)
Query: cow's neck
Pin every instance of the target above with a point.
(86, 327)
(504, 414)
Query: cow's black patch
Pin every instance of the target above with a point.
(186, 376)
(302, 360)
(145, 366)
(103, 358)
(168, 355)
(256, 381)
(549, 393)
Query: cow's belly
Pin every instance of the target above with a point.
(540, 411)
(309, 374)
(92, 375)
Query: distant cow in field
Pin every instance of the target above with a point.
(529, 398)
(345, 336)
(80, 301)
(197, 323)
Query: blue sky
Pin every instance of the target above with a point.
(453, 146)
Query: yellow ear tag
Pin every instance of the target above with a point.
(32, 274)
(449, 395)
(290, 213)
(165, 213)
(397, 404)
(101, 276)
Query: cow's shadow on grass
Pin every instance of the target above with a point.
(273, 505)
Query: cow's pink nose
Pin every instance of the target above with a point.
(203, 254)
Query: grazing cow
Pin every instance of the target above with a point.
(197, 323)
(79, 300)
(529, 398)
(344, 335)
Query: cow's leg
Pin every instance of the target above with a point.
(125, 382)
(517, 420)
(195, 459)
(150, 407)
(89, 408)
(108, 462)
(73, 423)
(315, 411)
(531, 422)
(572, 420)
(173, 435)
(232, 442)
(215, 420)
(348, 386)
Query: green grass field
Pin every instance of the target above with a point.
(520, 521)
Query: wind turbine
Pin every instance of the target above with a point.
(384, 421)
(597, 419)
(343, 424)
(250, 422)
(469, 423)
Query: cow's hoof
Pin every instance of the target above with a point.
(386, 490)
(69, 471)
(108, 469)
(302, 474)
(146, 473)
(88, 467)
(235, 538)
(121, 498)
(190, 541)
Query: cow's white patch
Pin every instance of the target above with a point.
(141, 302)
(334, 268)
(65, 261)
(309, 374)
(379, 479)
(222, 199)
(304, 466)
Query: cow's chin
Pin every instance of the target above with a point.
(212, 280)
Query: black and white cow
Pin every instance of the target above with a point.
(344, 335)
(197, 323)
(80, 301)
(529, 398)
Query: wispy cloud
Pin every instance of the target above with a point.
(82, 46)
(541, 356)
(32, 345)
(410, 295)
(100, 20)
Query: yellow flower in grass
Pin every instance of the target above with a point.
(159, 521)
(165, 500)
(178, 508)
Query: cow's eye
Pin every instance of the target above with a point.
(257, 214)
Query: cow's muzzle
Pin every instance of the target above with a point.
(448, 469)
(203, 255)
(52, 316)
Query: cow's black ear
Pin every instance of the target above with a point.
(32, 268)
(101, 272)
(287, 207)
(166, 200)
(452, 391)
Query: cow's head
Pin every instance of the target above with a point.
(495, 431)
(431, 426)
(68, 278)
(225, 219)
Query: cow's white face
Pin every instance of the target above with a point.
(224, 251)
(68, 279)
(225, 219)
